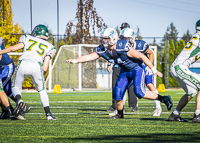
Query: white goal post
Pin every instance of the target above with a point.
(71, 76)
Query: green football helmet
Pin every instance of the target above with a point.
(40, 30)
(198, 25)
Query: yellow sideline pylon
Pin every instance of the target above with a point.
(57, 88)
(161, 88)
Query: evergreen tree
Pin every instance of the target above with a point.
(179, 47)
(164, 65)
(138, 36)
(171, 33)
(118, 30)
(186, 37)
(159, 61)
(159, 68)
(172, 81)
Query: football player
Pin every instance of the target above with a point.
(6, 71)
(143, 47)
(120, 52)
(132, 98)
(34, 62)
(189, 81)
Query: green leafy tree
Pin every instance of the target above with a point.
(11, 33)
(8, 31)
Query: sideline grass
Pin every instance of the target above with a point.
(82, 117)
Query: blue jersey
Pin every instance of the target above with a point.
(5, 60)
(118, 56)
(142, 47)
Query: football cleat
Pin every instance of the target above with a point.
(5, 114)
(168, 102)
(115, 117)
(115, 112)
(26, 109)
(196, 118)
(50, 117)
(20, 117)
(157, 112)
(111, 109)
(21, 109)
(134, 109)
(174, 117)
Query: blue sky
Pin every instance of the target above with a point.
(151, 16)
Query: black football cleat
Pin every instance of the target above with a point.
(5, 114)
(168, 102)
(174, 117)
(196, 118)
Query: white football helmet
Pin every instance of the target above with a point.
(128, 34)
(110, 33)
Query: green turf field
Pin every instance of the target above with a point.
(82, 117)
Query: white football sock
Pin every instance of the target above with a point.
(176, 112)
(44, 98)
(197, 112)
(157, 102)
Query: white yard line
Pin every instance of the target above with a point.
(106, 113)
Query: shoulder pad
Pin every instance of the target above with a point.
(141, 46)
(123, 45)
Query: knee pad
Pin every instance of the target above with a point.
(118, 93)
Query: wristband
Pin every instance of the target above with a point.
(153, 70)
(74, 61)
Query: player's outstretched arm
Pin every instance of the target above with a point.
(12, 48)
(138, 55)
(85, 58)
